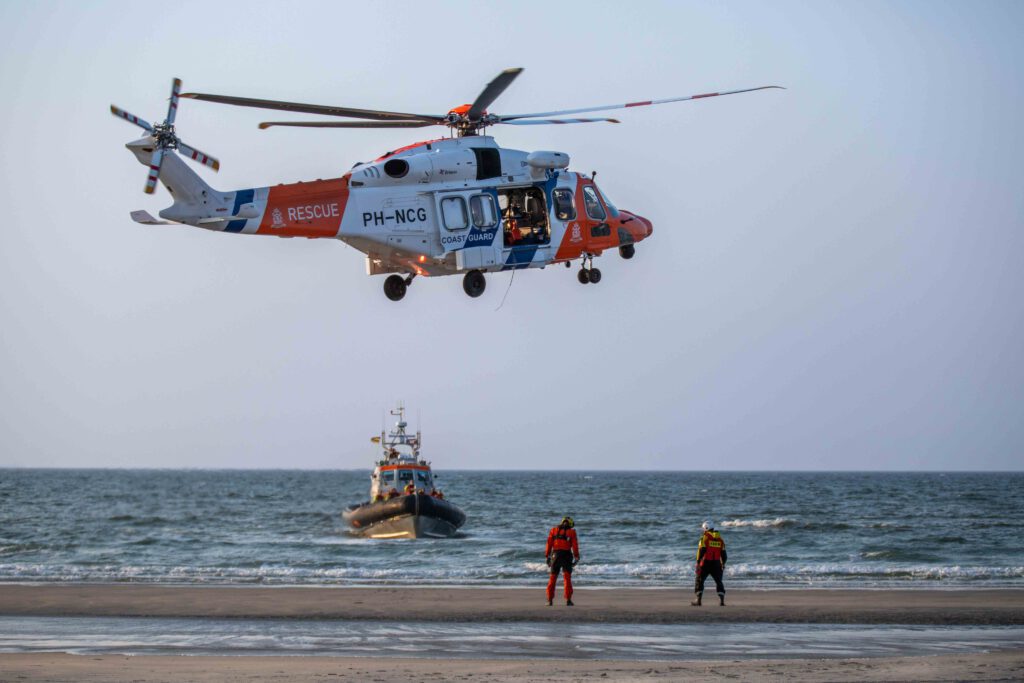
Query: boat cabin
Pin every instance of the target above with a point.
(401, 464)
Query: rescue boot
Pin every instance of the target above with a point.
(568, 602)
(696, 602)
(721, 599)
(550, 602)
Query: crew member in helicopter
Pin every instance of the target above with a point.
(711, 559)
(562, 553)
(512, 217)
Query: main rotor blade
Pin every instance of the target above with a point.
(538, 122)
(154, 169)
(348, 124)
(172, 107)
(130, 118)
(506, 119)
(373, 114)
(197, 156)
(491, 93)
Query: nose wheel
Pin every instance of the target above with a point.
(588, 273)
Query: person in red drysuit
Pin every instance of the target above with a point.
(562, 553)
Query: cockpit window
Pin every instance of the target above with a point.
(611, 207)
(594, 208)
(565, 210)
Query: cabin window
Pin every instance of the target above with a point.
(387, 477)
(453, 209)
(565, 210)
(422, 479)
(404, 476)
(593, 204)
(481, 206)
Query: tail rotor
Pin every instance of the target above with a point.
(165, 138)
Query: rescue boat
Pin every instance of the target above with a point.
(404, 501)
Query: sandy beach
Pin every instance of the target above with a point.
(925, 607)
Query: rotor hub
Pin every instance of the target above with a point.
(165, 136)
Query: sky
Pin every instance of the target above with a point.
(833, 283)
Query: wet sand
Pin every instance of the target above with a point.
(980, 607)
(1006, 666)
(976, 607)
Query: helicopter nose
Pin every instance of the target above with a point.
(647, 225)
(638, 226)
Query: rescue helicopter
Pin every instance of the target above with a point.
(457, 204)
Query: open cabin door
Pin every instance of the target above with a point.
(526, 226)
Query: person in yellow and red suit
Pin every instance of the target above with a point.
(562, 553)
(409, 489)
(710, 562)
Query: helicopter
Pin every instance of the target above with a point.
(458, 204)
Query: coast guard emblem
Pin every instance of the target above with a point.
(277, 219)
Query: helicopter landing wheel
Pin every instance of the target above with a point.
(595, 276)
(583, 276)
(474, 283)
(394, 287)
(627, 251)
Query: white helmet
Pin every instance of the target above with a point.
(708, 525)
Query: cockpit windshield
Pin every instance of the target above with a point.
(607, 202)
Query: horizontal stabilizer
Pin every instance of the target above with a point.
(145, 218)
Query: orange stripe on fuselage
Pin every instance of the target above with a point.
(311, 209)
(385, 468)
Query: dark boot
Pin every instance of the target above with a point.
(696, 603)
(550, 603)
(568, 602)
(721, 599)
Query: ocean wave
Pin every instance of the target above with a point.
(899, 555)
(654, 574)
(760, 523)
(149, 520)
(890, 571)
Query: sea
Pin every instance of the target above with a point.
(638, 529)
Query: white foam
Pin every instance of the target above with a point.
(759, 523)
